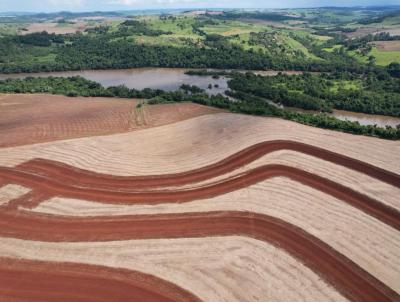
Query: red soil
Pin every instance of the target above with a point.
(352, 281)
(24, 280)
(70, 174)
(52, 179)
(29, 119)
(53, 187)
(55, 179)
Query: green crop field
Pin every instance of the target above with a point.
(384, 58)
(7, 29)
(331, 49)
(230, 28)
(346, 85)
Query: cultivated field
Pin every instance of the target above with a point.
(388, 45)
(203, 207)
(35, 118)
(363, 31)
(55, 28)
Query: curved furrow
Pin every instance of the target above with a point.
(71, 174)
(57, 187)
(352, 281)
(212, 268)
(27, 280)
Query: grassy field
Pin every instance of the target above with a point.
(295, 45)
(389, 21)
(331, 49)
(11, 28)
(230, 28)
(175, 40)
(290, 42)
(384, 58)
(177, 25)
(243, 40)
(346, 85)
(236, 32)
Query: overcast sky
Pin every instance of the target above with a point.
(90, 5)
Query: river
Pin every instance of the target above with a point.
(362, 118)
(167, 79)
(367, 119)
(170, 79)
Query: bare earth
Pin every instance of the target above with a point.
(202, 207)
(28, 119)
(360, 237)
(195, 143)
(215, 269)
(11, 192)
(363, 31)
(388, 45)
(54, 28)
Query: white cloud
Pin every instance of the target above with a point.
(155, 2)
(67, 3)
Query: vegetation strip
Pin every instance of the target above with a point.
(243, 103)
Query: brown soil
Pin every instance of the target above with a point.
(387, 45)
(61, 180)
(334, 267)
(363, 31)
(49, 178)
(26, 280)
(29, 119)
(195, 143)
(275, 24)
(352, 281)
(54, 28)
(53, 187)
(70, 174)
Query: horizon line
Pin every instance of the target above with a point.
(194, 9)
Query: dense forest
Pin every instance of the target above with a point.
(340, 72)
(105, 50)
(367, 93)
(244, 103)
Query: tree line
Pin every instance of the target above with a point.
(102, 49)
(323, 92)
(243, 103)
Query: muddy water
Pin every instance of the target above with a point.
(367, 119)
(362, 118)
(170, 79)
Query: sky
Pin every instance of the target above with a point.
(109, 5)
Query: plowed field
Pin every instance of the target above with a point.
(203, 207)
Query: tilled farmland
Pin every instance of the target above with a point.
(36, 118)
(201, 207)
